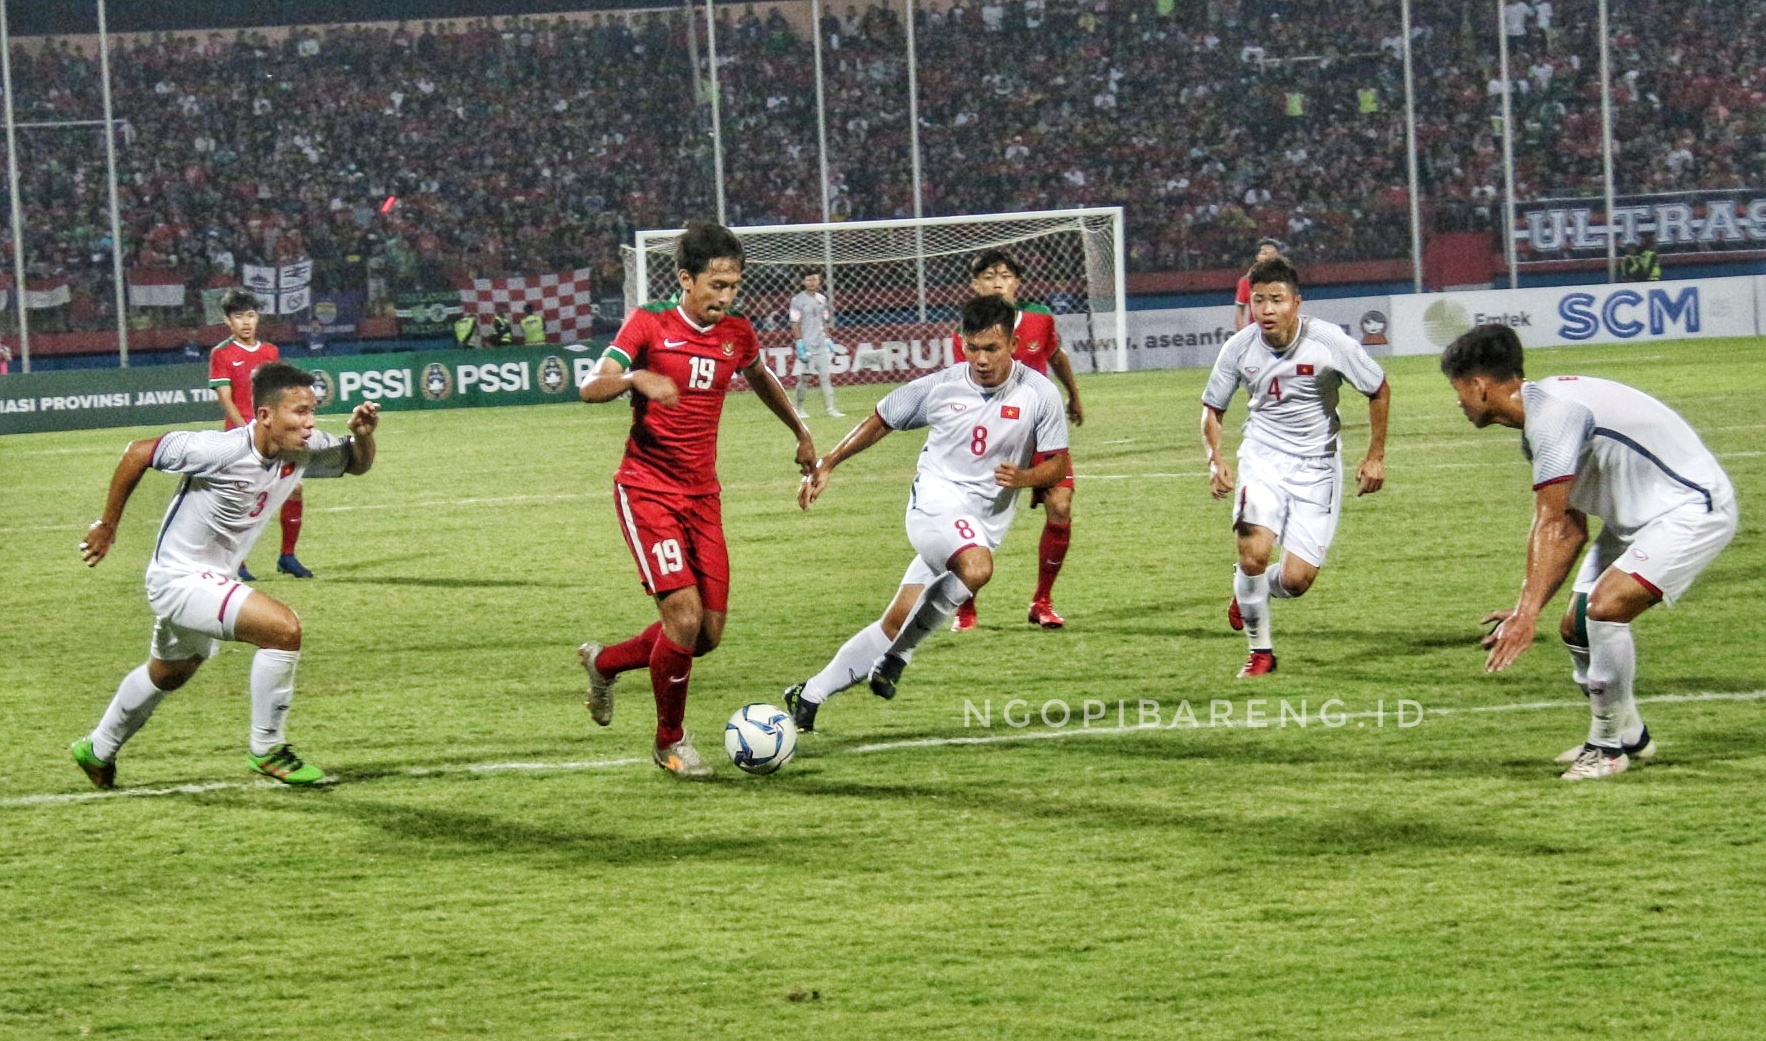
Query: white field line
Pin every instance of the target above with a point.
(58, 798)
(1053, 733)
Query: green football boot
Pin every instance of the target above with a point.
(282, 764)
(102, 774)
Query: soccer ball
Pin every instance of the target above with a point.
(760, 738)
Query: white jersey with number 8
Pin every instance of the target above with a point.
(974, 430)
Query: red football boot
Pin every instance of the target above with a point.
(1042, 613)
(1233, 617)
(1260, 663)
(964, 619)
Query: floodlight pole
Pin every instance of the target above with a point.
(110, 169)
(1508, 150)
(717, 126)
(815, 17)
(1606, 141)
(1416, 203)
(914, 149)
(18, 219)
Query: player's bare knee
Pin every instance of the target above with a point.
(975, 572)
(170, 675)
(282, 635)
(1567, 630)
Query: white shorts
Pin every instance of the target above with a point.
(1665, 555)
(939, 534)
(193, 612)
(1297, 497)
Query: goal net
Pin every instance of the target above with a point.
(896, 286)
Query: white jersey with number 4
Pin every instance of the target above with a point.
(974, 431)
(1293, 392)
(1631, 458)
(229, 493)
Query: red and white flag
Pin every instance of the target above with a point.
(565, 299)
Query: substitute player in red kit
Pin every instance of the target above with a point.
(677, 361)
(230, 368)
(997, 273)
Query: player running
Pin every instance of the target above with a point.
(989, 419)
(1666, 506)
(678, 360)
(232, 481)
(997, 272)
(1290, 482)
(230, 368)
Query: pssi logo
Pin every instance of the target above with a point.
(552, 375)
(1627, 313)
(437, 384)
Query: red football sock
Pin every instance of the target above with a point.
(632, 654)
(1050, 556)
(291, 511)
(671, 666)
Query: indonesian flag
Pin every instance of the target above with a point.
(156, 287)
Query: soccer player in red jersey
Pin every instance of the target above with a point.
(677, 360)
(230, 368)
(1267, 249)
(998, 272)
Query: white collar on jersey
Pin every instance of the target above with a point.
(691, 324)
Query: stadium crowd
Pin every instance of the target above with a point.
(420, 155)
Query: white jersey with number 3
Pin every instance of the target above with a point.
(974, 431)
(229, 493)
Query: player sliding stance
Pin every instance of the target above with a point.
(995, 271)
(1290, 482)
(1666, 506)
(989, 419)
(233, 481)
(677, 360)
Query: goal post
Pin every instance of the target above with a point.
(897, 286)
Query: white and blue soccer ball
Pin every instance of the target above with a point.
(760, 738)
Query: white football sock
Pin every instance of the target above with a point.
(1578, 665)
(851, 664)
(272, 688)
(1612, 668)
(1277, 591)
(938, 601)
(1253, 594)
(129, 711)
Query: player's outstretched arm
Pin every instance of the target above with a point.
(859, 438)
(769, 390)
(1371, 474)
(1558, 534)
(136, 460)
(1046, 474)
(1220, 472)
(363, 422)
(1063, 369)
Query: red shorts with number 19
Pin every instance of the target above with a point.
(677, 540)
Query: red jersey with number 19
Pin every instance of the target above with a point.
(231, 364)
(675, 449)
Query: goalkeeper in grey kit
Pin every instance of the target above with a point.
(810, 318)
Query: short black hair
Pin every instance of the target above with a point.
(275, 378)
(238, 300)
(705, 242)
(1267, 241)
(1275, 269)
(1491, 350)
(988, 258)
(982, 313)
(808, 271)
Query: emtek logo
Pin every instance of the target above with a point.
(1619, 314)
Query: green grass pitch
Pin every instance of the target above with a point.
(492, 865)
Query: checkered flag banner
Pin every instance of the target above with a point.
(565, 299)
